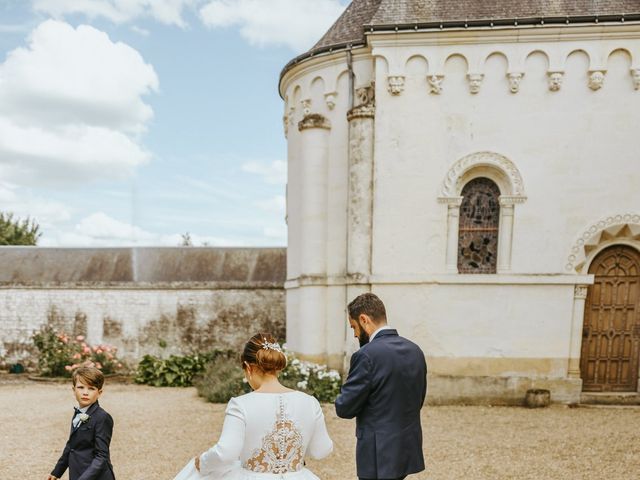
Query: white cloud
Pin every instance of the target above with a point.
(277, 205)
(297, 24)
(274, 173)
(23, 204)
(101, 230)
(71, 106)
(169, 12)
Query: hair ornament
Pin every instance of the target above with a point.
(275, 346)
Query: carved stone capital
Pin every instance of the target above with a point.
(514, 81)
(475, 82)
(596, 79)
(635, 75)
(511, 200)
(362, 111)
(580, 292)
(396, 84)
(451, 201)
(555, 80)
(435, 83)
(314, 120)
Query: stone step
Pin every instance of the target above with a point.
(610, 398)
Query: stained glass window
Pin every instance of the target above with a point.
(479, 220)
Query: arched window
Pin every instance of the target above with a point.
(478, 230)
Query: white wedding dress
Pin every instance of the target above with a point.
(265, 436)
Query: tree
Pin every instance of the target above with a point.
(14, 231)
(186, 240)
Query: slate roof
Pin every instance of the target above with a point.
(349, 28)
(376, 15)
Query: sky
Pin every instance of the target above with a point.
(133, 122)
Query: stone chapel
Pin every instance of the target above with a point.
(476, 165)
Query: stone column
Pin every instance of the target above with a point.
(360, 200)
(314, 153)
(314, 158)
(506, 234)
(453, 226)
(577, 324)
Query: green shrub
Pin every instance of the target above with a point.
(59, 355)
(224, 379)
(175, 371)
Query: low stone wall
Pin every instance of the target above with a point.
(142, 300)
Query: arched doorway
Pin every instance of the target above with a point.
(611, 331)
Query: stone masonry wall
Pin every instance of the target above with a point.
(154, 300)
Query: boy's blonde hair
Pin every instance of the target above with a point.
(90, 376)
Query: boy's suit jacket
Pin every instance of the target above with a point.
(385, 390)
(86, 453)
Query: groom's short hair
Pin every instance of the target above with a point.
(369, 304)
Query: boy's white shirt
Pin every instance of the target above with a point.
(76, 419)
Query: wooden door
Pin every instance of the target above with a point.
(611, 332)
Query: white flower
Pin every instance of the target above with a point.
(302, 385)
(84, 417)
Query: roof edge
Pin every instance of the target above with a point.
(465, 24)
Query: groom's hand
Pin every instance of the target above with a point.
(51, 477)
(197, 461)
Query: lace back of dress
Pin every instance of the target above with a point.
(282, 448)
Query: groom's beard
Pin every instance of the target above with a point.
(363, 338)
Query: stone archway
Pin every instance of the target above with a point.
(611, 331)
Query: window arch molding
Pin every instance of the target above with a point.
(504, 173)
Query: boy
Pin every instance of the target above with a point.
(86, 453)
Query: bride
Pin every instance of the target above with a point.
(266, 433)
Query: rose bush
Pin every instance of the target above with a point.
(60, 354)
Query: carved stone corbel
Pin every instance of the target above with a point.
(514, 81)
(635, 75)
(366, 103)
(475, 82)
(396, 84)
(596, 79)
(435, 83)
(555, 80)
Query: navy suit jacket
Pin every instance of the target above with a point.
(385, 390)
(86, 453)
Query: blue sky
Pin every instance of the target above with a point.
(131, 122)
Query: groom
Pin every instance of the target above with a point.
(385, 390)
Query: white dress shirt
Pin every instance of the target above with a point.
(384, 327)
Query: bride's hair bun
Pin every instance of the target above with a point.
(264, 351)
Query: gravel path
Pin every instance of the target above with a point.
(158, 430)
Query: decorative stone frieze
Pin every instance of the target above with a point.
(314, 120)
(615, 227)
(475, 82)
(435, 83)
(635, 75)
(514, 81)
(453, 182)
(396, 84)
(596, 79)
(555, 80)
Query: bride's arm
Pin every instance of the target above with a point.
(229, 446)
(321, 444)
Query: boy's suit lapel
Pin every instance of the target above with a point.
(89, 412)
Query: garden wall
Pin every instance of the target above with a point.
(142, 300)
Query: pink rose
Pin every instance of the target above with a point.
(80, 338)
(76, 356)
(68, 368)
(99, 352)
(98, 365)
